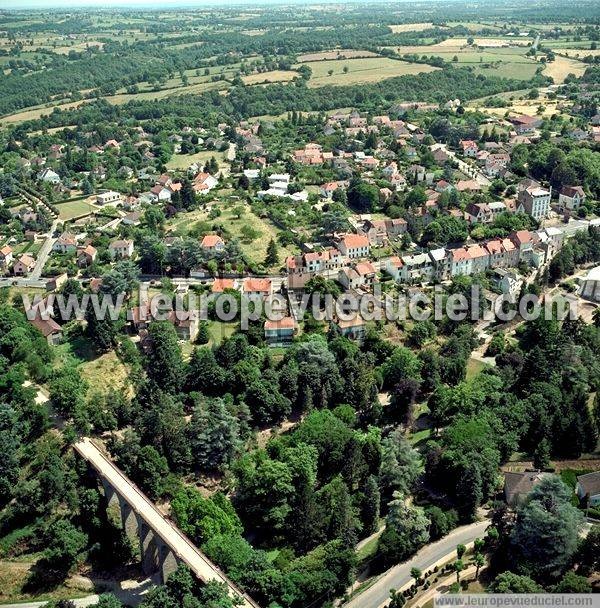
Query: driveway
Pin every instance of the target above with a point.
(396, 577)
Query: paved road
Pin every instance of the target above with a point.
(378, 594)
(44, 253)
(23, 282)
(181, 546)
(89, 600)
(470, 170)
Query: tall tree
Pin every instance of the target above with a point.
(272, 254)
(214, 436)
(165, 364)
(545, 536)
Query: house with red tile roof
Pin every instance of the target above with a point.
(257, 287)
(6, 257)
(460, 262)
(220, 285)
(280, 333)
(212, 243)
(354, 245)
(480, 258)
(24, 265)
(468, 147)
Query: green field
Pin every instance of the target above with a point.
(183, 161)
(75, 209)
(359, 71)
(519, 71)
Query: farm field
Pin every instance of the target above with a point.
(561, 67)
(453, 46)
(38, 112)
(272, 76)
(497, 42)
(362, 71)
(119, 99)
(581, 52)
(411, 27)
(517, 70)
(520, 107)
(336, 54)
(473, 26)
(501, 61)
(173, 86)
(568, 43)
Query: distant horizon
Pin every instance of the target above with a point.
(15, 5)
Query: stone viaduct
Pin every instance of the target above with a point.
(162, 545)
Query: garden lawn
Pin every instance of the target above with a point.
(75, 209)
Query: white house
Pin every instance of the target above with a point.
(49, 176)
(6, 257)
(204, 183)
(469, 147)
(160, 193)
(121, 248)
(418, 267)
(354, 246)
(535, 201)
(213, 243)
(327, 190)
(65, 243)
(571, 197)
(108, 198)
(590, 288)
(508, 282)
(461, 262)
(276, 178)
(393, 266)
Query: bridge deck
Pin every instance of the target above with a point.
(181, 546)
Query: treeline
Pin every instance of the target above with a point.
(243, 102)
(566, 164)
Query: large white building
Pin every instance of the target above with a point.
(535, 201)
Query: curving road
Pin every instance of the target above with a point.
(396, 577)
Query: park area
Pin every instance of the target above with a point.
(238, 221)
